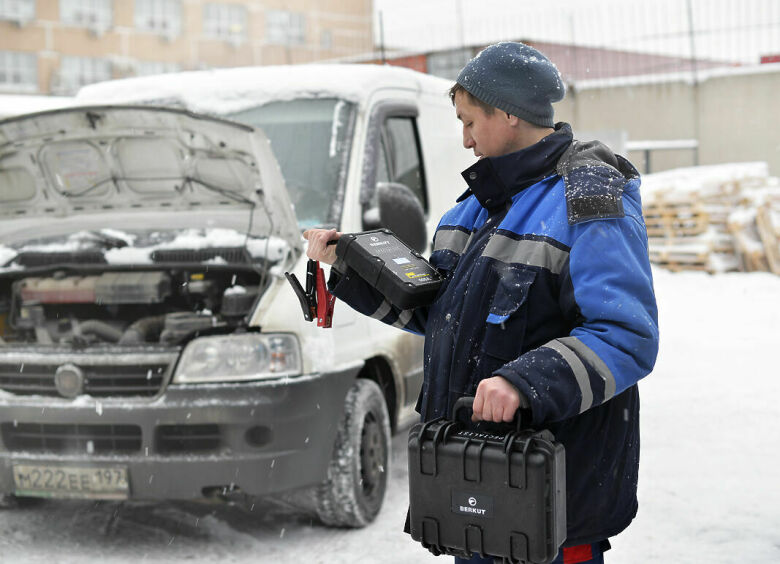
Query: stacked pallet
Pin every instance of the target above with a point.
(768, 225)
(749, 246)
(756, 228)
(706, 218)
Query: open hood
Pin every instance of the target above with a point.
(119, 175)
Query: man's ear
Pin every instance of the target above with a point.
(513, 121)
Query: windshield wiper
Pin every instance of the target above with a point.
(109, 241)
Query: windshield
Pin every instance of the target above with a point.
(311, 140)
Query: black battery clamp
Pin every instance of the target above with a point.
(316, 301)
(388, 264)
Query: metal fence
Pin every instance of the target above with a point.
(677, 31)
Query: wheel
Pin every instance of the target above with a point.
(352, 493)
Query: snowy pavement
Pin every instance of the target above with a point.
(710, 460)
(708, 475)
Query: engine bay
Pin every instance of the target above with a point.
(83, 308)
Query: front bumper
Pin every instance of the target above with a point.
(260, 437)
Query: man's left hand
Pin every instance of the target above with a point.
(496, 400)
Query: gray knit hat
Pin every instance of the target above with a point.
(516, 78)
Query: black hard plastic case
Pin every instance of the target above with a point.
(481, 494)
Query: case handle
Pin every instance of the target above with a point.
(467, 402)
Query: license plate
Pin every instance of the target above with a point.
(104, 482)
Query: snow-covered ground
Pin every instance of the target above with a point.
(708, 485)
(710, 461)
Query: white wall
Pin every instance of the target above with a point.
(734, 113)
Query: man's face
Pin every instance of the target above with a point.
(488, 135)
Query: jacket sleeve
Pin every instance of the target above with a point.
(607, 288)
(363, 298)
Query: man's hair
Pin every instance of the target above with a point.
(457, 87)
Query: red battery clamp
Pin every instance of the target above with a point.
(316, 301)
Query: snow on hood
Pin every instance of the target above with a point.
(140, 250)
(136, 169)
(6, 254)
(223, 91)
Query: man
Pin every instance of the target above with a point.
(547, 303)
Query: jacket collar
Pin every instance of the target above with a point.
(494, 180)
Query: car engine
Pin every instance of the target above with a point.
(82, 309)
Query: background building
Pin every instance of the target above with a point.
(662, 111)
(575, 62)
(669, 83)
(57, 46)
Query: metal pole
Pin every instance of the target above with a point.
(382, 38)
(574, 73)
(459, 16)
(694, 72)
(692, 41)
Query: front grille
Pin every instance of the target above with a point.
(55, 438)
(107, 373)
(142, 380)
(172, 439)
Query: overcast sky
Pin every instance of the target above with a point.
(738, 30)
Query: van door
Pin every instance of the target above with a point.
(394, 139)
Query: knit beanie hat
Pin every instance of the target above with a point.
(515, 78)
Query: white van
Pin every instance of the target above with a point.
(150, 345)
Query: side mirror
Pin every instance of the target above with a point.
(400, 211)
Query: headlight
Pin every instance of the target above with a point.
(253, 356)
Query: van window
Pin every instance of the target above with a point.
(404, 162)
(311, 139)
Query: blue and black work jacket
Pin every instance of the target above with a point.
(548, 284)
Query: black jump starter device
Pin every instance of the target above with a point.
(385, 262)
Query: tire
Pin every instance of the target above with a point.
(352, 493)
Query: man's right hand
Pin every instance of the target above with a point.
(318, 244)
(497, 399)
